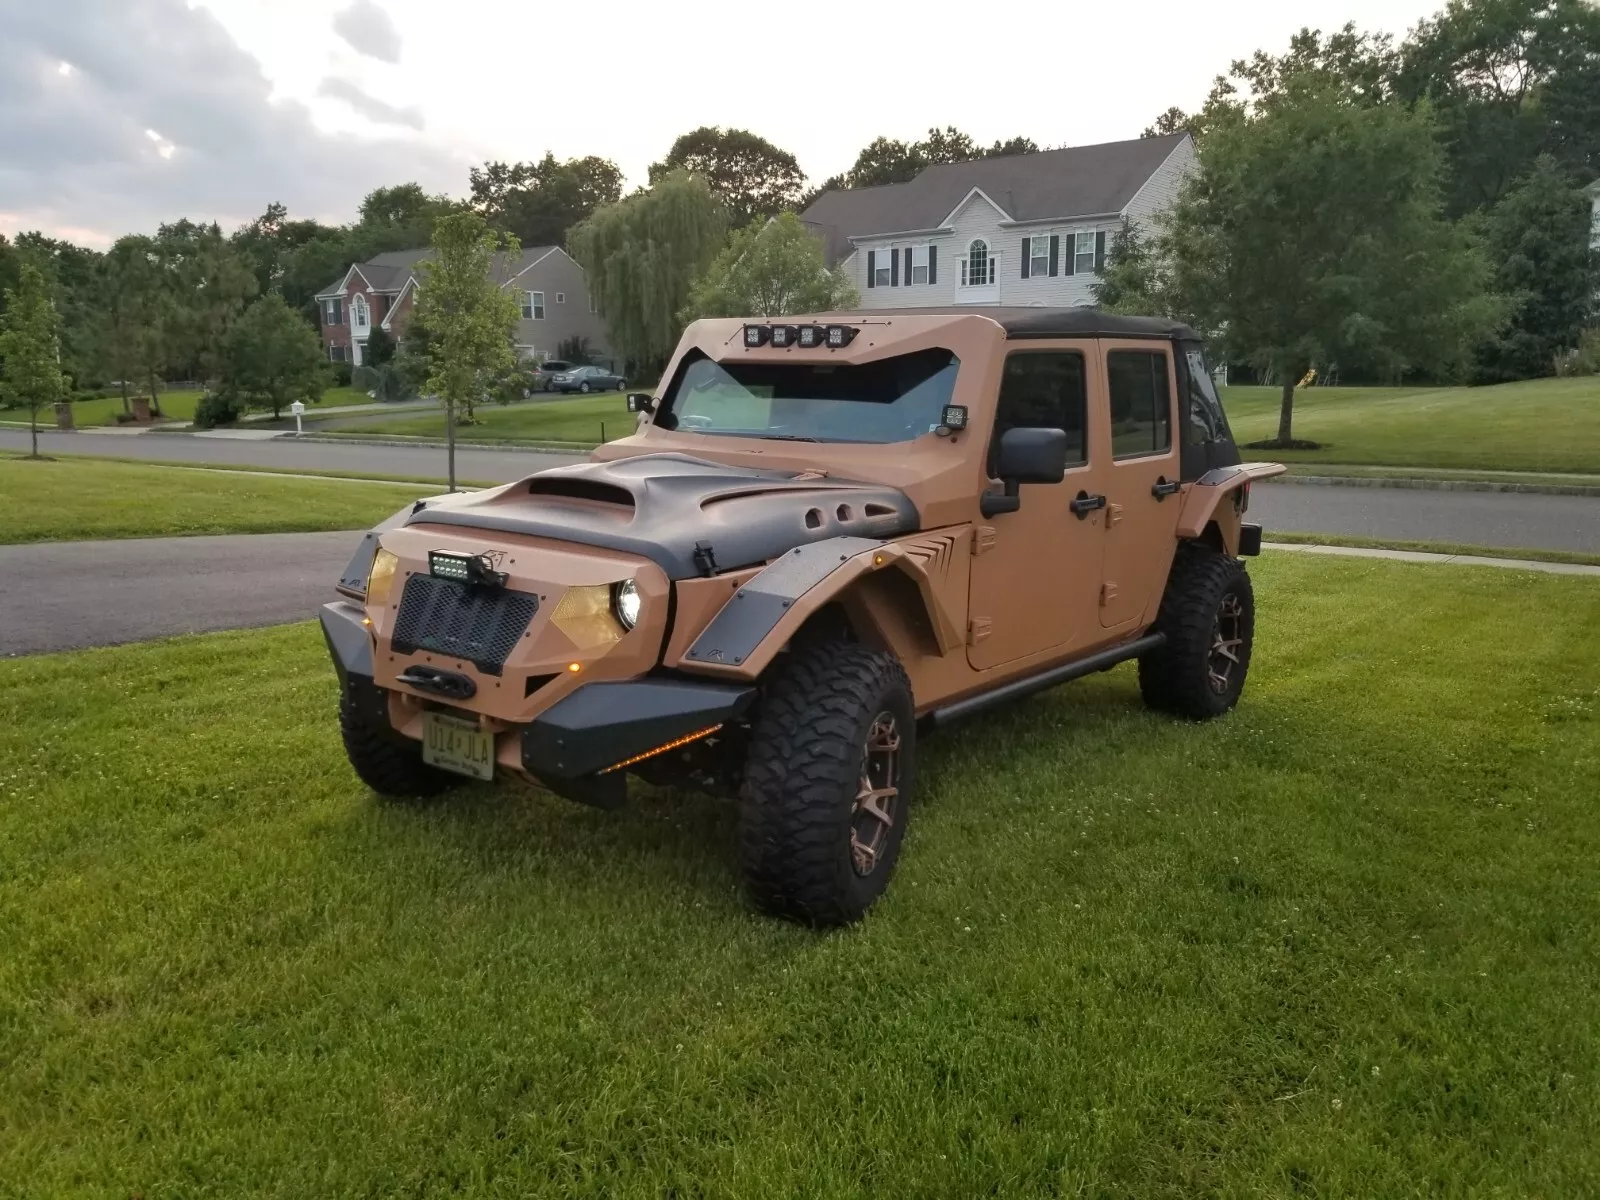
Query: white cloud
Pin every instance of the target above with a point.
(369, 30)
(368, 105)
(114, 146)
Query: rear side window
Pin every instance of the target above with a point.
(1141, 403)
(1204, 421)
(1044, 389)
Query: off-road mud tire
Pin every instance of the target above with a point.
(803, 774)
(386, 761)
(1203, 588)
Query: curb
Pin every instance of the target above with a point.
(1439, 485)
(498, 447)
(1424, 556)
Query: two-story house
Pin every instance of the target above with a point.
(549, 285)
(1029, 229)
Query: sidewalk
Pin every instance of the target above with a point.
(1421, 556)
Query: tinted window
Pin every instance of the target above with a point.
(890, 400)
(1203, 420)
(1141, 403)
(1044, 389)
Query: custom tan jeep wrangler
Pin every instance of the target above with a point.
(828, 535)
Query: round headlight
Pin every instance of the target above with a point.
(627, 602)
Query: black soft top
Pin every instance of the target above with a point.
(1022, 324)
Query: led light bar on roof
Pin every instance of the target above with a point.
(807, 337)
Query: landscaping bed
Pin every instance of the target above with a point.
(1339, 943)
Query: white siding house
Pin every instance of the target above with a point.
(1030, 229)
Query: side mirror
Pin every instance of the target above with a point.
(1027, 455)
(641, 402)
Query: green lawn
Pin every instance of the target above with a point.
(567, 420)
(178, 406)
(1341, 943)
(79, 499)
(1540, 425)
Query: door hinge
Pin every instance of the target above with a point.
(1108, 593)
(983, 539)
(978, 629)
(1113, 514)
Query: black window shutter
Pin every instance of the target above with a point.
(894, 268)
(1070, 263)
(1026, 250)
(872, 268)
(1100, 252)
(910, 262)
(933, 264)
(1055, 254)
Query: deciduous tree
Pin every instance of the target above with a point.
(271, 358)
(1295, 273)
(469, 316)
(540, 201)
(1538, 238)
(770, 270)
(643, 255)
(30, 347)
(753, 178)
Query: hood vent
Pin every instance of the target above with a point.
(574, 488)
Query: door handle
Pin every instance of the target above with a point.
(1163, 487)
(1086, 504)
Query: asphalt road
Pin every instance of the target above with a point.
(489, 466)
(1513, 520)
(67, 595)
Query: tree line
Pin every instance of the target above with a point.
(1374, 209)
(1384, 212)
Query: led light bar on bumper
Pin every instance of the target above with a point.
(465, 568)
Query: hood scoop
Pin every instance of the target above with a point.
(661, 506)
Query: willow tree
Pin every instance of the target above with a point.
(643, 256)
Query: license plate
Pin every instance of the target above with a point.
(452, 744)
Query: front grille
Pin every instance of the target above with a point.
(477, 624)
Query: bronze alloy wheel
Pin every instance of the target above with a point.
(1227, 635)
(873, 815)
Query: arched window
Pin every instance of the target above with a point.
(978, 267)
(360, 314)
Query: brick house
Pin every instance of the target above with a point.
(550, 287)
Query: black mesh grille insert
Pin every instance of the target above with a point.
(479, 625)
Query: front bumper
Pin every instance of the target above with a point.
(578, 745)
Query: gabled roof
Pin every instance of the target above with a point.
(1080, 181)
(391, 271)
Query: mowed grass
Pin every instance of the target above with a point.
(176, 405)
(581, 419)
(1541, 425)
(81, 499)
(1341, 943)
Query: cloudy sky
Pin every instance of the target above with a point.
(118, 114)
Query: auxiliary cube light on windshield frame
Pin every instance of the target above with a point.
(465, 568)
(806, 337)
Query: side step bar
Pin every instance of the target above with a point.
(1018, 688)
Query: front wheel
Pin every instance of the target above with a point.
(1208, 614)
(828, 784)
(386, 761)
(584, 388)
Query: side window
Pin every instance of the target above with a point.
(1044, 389)
(1141, 403)
(1204, 421)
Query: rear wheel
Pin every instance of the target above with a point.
(828, 783)
(1208, 615)
(385, 760)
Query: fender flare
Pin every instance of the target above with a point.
(761, 617)
(1202, 498)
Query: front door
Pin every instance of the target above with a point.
(1140, 482)
(1036, 572)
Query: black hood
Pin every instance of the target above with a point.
(666, 507)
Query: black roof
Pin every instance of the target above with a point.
(1022, 324)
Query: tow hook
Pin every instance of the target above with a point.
(448, 684)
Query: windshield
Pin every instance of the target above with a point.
(890, 400)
